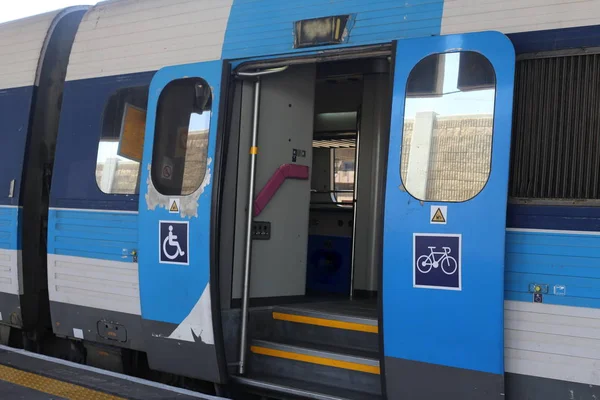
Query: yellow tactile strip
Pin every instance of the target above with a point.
(330, 323)
(370, 369)
(51, 386)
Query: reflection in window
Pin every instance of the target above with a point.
(122, 141)
(181, 140)
(343, 174)
(448, 125)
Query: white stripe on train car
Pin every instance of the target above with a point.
(11, 272)
(96, 283)
(554, 231)
(132, 36)
(513, 16)
(21, 42)
(551, 341)
(92, 210)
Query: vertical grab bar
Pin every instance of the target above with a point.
(355, 206)
(248, 243)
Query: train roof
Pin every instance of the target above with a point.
(119, 37)
(22, 43)
(128, 36)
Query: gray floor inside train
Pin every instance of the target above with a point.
(25, 375)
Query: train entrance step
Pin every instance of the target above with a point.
(25, 375)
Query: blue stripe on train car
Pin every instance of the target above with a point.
(10, 228)
(566, 262)
(564, 218)
(15, 109)
(556, 39)
(265, 27)
(74, 182)
(101, 235)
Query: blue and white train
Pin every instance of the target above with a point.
(342, 199)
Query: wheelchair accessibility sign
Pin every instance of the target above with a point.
(174, 237)
(437, 261)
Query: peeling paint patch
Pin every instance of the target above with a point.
(188, 204)
(198, 323)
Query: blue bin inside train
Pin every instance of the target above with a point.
(329, 265)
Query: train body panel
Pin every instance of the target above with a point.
(18, 81)
(106, 280)
(32, 81)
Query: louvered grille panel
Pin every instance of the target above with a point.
(556, 128)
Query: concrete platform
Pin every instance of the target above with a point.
(25, 375)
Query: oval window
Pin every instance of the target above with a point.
(448, 127)
(181, 139)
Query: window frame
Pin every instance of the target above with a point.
(333, 194)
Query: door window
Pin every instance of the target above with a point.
(448, 126)
(181, 139)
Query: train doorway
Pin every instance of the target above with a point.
(310, 146)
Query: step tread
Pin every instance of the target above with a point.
(302, 389)
(358, 312)
(320, 350)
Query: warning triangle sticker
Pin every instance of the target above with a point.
(438, 217)
(174, 207)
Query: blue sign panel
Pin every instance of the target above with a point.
(436, 259)
(173, 240)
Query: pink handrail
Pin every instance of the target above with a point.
(286, 171)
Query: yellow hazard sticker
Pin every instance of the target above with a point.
(439, 215)
(174, 206)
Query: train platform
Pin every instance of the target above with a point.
(30, 376)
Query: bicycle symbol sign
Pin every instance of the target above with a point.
(437, 261)
(173, 242)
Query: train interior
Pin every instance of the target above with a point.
(317, 226)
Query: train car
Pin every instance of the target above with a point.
(34, 53)
(318, 199)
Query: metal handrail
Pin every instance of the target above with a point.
(249, 216)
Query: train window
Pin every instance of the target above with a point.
(122, 141)
(181, 138)
(447, 135)
(342, 179)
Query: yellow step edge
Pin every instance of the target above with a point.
(330, 323)
(51, 386)
(370, 369)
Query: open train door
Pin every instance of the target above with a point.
(175, 221)
(445, 214)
